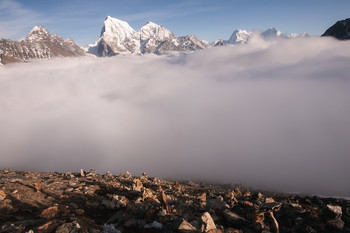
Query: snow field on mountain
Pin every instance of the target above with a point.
(273, 115)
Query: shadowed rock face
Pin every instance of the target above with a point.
(38, 44)
(89, 202)
(340, 30)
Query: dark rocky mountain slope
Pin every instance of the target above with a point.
(340, 30)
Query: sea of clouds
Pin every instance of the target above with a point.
(271, 115)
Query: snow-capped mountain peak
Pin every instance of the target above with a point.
(117, 29)
(271, 33)
(239, 37)
(154, 31)
(37, 33)
(118, 37)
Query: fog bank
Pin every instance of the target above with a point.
(273, 115)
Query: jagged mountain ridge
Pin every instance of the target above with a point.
(38, 44)
(118, 37)
(340, 30)
(242, 36)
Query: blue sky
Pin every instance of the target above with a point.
(207, 19)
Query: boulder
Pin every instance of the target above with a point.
(233, 219)
(335, 211)
(207, 222)
(186, 227)
(337, 224)
(2, 195)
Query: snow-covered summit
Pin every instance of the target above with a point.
(38, 33)
(118, 37)
(239, 37)
(271, 33)
(154, 31)
(117, 29)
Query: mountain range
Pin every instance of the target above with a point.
(119, 38)
(38, 44)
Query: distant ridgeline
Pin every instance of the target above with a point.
(340, 30)
(119, 38)
(38, 44)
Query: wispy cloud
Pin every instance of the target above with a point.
(16, 19)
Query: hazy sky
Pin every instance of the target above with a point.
(207, 19)
(274, 115)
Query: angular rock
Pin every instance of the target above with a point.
(82, 173)
(207, 222)
(269, 200)
(165, 203)
(131, 223)
(337, 224)
(69, 227)
(48, 227)
(216, 203)
(154, 225)
(2, 195)
(186, 227)
(335, 210)
(233, 219)
(38, 187)
(54, 212)
(108, 174)
(202, 197)
(274, 206)
(137, 185)
(109, 228)
(247, 204)
(273, 222)
(108, 204)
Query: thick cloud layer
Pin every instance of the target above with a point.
(273, 115)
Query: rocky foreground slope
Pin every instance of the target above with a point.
(89, 202)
